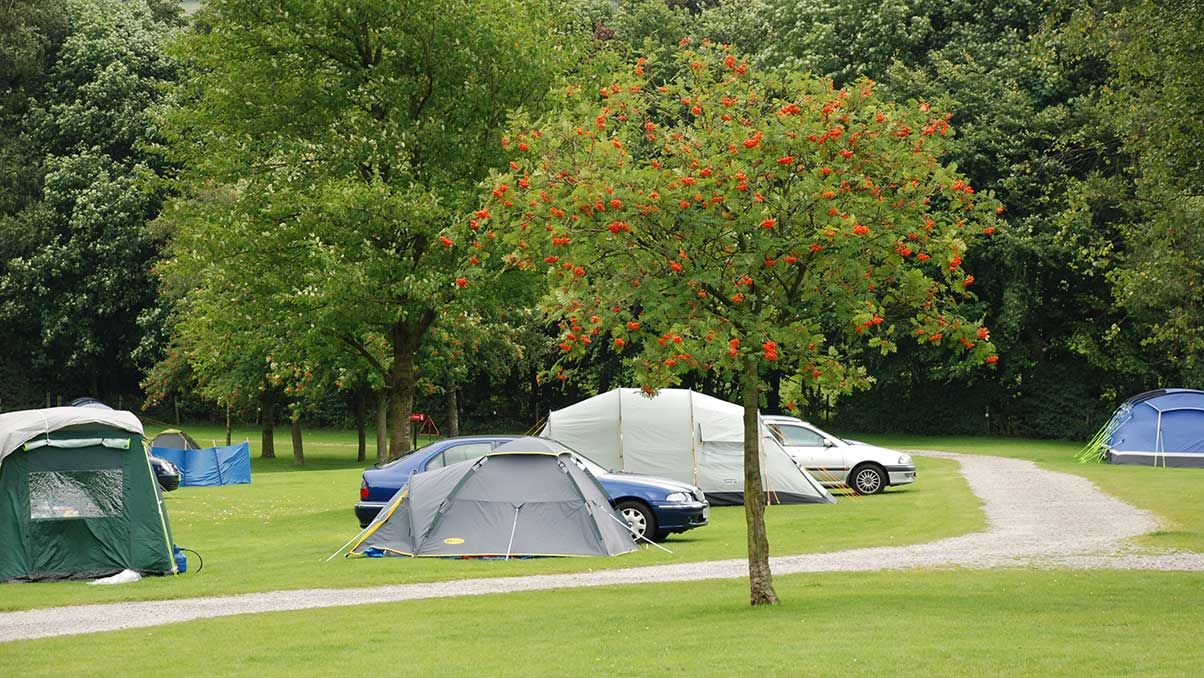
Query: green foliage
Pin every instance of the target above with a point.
(845, 40)
(746, 25)
(1031, 129)
(1152, 102)
(333, 142)
(635, 26)
(79, 79)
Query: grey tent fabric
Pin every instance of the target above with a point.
(682, 435)
(533, 444)
(508, 504)
(19, 428)
(174, 439)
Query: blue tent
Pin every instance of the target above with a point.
(1158, 428)
(210, 465)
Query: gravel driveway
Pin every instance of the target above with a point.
(1035, 518)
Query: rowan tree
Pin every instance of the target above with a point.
(734, 221)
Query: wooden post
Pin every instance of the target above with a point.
(453, 411)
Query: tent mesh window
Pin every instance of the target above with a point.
(57, 495)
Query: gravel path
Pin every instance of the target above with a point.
(1035, 518)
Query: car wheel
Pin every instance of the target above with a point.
(639, 519)
(867, 479)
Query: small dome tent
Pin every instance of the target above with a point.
(500, 505)
(681, 435)
(78, 499)
(174, 439)
(1158, 428)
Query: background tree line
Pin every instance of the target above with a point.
(239, 210)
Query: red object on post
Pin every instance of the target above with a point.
(422, 424)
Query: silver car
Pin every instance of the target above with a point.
(835, 462)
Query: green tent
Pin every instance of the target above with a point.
(78, 499)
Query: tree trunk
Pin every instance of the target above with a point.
(533, 405)
(295, 425)
(361, 424)
(453, 411)
(401, 406)
(227, 426)
(401, 392)
(773, 394)
(405, 339)
(760, 579)
(382, 427)
(267, 406)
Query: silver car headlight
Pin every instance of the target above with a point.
(904, 458)
(678, 497)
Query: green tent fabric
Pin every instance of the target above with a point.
(78, 499)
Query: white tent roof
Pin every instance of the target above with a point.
(18, 428)
(678, 434)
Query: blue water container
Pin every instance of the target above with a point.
(181, 559)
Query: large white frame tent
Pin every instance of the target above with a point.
(683, 435)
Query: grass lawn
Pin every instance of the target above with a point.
(276, 532)
(926, 623)
(1174, 494)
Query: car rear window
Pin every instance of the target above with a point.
(458, 453)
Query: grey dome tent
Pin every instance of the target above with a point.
(174, 439)
(500, 505)
(78, 499)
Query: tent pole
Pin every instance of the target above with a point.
(1157, 435)
(357, 536)
(628, 528)
(217, 464)
(171, 555)
(513, 529)
(621, 467)
(693, 447)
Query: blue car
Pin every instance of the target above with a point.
(653, 507)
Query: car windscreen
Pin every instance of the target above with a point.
(590, 465)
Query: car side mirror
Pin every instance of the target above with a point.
(829, 443)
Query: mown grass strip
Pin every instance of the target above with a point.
(923, 623)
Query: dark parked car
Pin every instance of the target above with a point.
(165, 472)
(653, 507)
